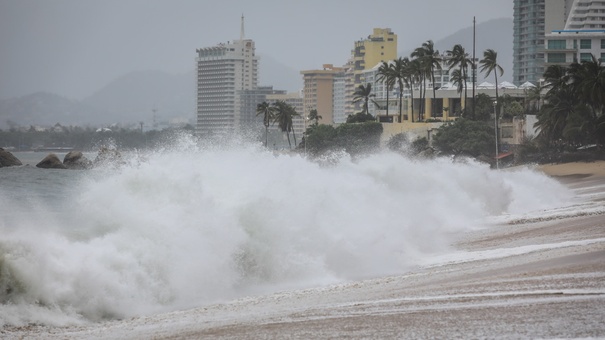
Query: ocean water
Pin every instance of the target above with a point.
(187, 226)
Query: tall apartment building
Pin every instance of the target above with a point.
(223, 72)
(319, 91)
(532, 19)
(380, 46)
(582, 38)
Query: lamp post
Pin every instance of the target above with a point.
(496, 129)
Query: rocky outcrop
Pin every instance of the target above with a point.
(108, 157)
(76, 160)
(51, 161)
(7, 159)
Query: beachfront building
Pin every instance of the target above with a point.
(323, 91)
(531, 20)
(224, 72)
(380, 46)
(442, 78)
(582, 38)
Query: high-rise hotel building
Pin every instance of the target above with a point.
(223, 72)
(583, 37)
(532, 19)
(379, 46)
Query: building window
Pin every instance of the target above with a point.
(556, 44)
(585, 44)
(556, 57)
(602, 57)
(603, 44)
(585, 57)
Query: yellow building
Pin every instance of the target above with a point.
(380, 46)
(318, 91)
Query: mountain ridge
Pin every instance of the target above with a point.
(150, 96)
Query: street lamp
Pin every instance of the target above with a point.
(496, 129)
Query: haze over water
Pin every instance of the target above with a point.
(188, 226)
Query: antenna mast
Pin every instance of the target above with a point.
(241, 33)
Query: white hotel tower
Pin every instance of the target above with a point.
(223, 71)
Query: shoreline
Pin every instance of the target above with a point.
(543, 278)
(574, 169)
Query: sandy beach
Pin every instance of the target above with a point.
(527, 278)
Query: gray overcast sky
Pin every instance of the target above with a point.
(75, 47)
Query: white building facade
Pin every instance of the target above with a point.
(582, 38)
(223, 72)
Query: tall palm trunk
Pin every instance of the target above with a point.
(412, 98)
(387, 101)
(434, 96)
(465, 91)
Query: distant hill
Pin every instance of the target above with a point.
(282, 77)
(43, 108)
(134, 96)
(496, 34)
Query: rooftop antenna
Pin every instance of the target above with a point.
(241, 33)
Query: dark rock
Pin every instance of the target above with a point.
(76, 160)
(7, 159)
(51, 162)
(108, 157)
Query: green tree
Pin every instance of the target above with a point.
(363, 93)
(268, 112)
(573, 109)
(459, 58)
(465, 137)
(420, 68)
(489, 64)
(315, 117)
(388, 76)
(284, 113)
(458, 80)
(484, 107)
(431, 62)
(415, 75)
(320, 139)
(361, 138)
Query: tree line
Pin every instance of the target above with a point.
(414, 72)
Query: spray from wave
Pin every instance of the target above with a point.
(190, 226)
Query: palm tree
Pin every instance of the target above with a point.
(268, 114)
(534, 97)
(459, 58)
(313, 115)
(592, 85)
(283, 117)
(387, 76)
(555, 77)
(489, 64)
(401, 71)
(415, 76)
(432, 61)
(458, 79)
(420, 72)
(363, 93)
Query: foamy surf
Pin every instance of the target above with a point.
(188, 228)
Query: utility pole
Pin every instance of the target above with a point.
(474, 64)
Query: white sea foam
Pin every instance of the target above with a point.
(194, 226)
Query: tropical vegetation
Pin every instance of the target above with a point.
(573, 112)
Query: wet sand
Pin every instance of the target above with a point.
(533, 278)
